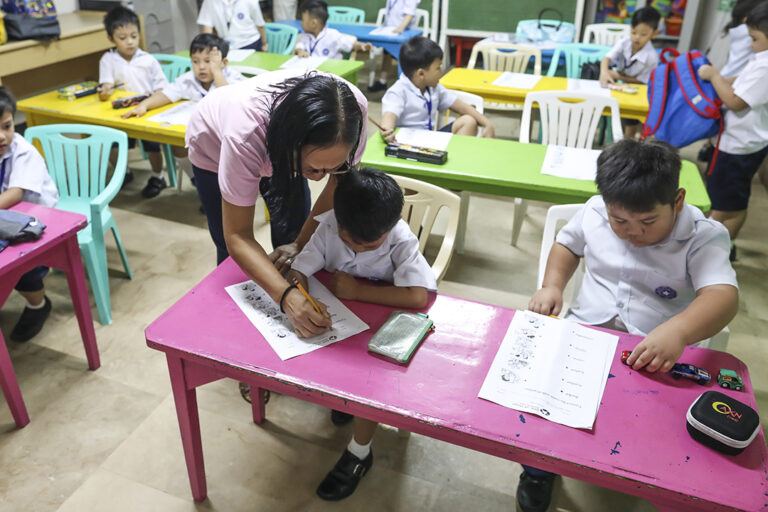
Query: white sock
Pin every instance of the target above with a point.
(383, 81)
(360, 451)
(39, 306)
(157, 174)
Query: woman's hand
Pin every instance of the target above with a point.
(283, 256)
(306, 321)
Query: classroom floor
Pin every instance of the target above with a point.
(109, 439)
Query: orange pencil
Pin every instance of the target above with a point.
(375, 123)
(304, 292)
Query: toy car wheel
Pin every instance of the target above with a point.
(675, 376)
(737, 388)
(724, 385)
(702, 382)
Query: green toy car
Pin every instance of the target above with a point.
(729, 379)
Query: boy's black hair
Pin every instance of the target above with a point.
(757, 18)
(740, 10)
(203, 42)
(638, 176)
(317, 9)
(647, 15)
(309, 110)
(418, 53)
(7, 101)
(367, 204)
(118, 17)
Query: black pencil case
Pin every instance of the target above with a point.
(418, 154)
(721, 422)
(129, 101)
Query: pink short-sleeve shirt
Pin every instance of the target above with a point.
(227, 133)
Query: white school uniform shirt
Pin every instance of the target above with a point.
(397, 260)
(746, 131)
(399, 9)
(25, 168)
(142, 74)
(188, 87)
(644, 286)
(329, 43)
(414, 109)
(234, 20)
(739, 52)
(639, 65)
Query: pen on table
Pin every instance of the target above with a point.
(304, 292)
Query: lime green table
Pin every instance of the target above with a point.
(346, 69)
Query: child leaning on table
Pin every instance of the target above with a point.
(401, 16)
(417, 98)
(655, 266)
(24, 177)
(363, 236)
(133, 69)
(317, 40)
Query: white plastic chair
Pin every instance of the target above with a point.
(605, 33)
(422, 21)
(423, 202)
(248, 71)
(563, 123)
(557, 216)
(506, 57)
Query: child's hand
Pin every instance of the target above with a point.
(547, 301)
(302, 53)
(398, 30)
(214, 55)
(388, 134)
(488, 130)
(659, 350)
(139, 111)
(606, 78)
(344, 286)
(366, 47)
(264, 45)
(707, 72)
(105, 91)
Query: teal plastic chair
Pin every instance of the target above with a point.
(281, 38)
(576, 55)
(79, 167)
(350, 15)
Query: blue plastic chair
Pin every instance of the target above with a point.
(350, 15)
(281, 38)
(79, 167)
(576, 55)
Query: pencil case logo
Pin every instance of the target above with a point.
(724, 408)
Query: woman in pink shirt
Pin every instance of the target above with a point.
(269, 135)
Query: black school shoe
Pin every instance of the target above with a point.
(31, 322)
(339, 418)
(534, 493)
(344, 477)
(153, 188)
(128, 178)
(377, 86)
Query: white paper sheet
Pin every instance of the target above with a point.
(423, 138)
(384, 31)
(517, 80)
(588, 86)
(265, 315)
(239, 55)
(178, 114)
(580, 164)
(554, 368)
(307, 63)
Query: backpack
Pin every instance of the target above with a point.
(540, 29)
(31, 19)
(35, 8)
(677, 98)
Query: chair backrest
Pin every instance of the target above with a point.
(576, 55)
(568, 118)
(350, 15)
(173, 65)
(506, 57)
(79, 166)
(249, 71)
(605, 33)
(423, 202)
(281, 38)
(467, 97)
(558, 215)
(422, 21)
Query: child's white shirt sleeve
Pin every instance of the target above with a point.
(409, 7)
(393, 102)
(156, 76)
(446, 98)
(29, 173)
(206, 14)
(106, 69)
(311, 259)
(345, 42)
(708, 262)
(411, 269)
(256, 14)
(751, 87)
(303, 42)
(572, 234)
(618, 49)
(181, 89)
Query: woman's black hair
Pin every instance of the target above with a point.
(310, 110)
(740, 11)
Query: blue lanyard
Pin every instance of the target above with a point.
(2, 174)
(313, 46)
(429, 109)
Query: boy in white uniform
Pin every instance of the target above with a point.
(401, 14)
(744, 142)
(363, 236)
(319, 40)
(633, 58)
(239, 22)
(655, 266)
(416, 99)
(24, 177)
(138, 72)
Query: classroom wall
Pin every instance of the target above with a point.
(709, 30)
(66, 6)
(184, 23)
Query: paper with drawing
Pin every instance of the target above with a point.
(178, 114)
(265, 315)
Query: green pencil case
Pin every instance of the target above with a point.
(398, 338)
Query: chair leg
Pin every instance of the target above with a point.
(121, 250)
(521, 206)
(96, 266)
(462, 228)
(170, 164)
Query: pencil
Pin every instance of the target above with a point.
(304, 292)
(375, 123)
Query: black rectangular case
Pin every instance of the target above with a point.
(722, 422)
(427, 155)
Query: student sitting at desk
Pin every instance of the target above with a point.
(240, 22)
(401, 16)
(363, 236)
(136, 71)
(24, 177)
(655, 266)
(416, 99)
(319, 40)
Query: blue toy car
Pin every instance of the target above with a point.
(690, 371)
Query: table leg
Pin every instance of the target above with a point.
(258, 396)
(11, 387)
(459, 50)
(79, 292)
(189, 425)
(461, 231)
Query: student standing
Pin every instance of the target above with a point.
(320, 41)
(239, 22)
(401, 16)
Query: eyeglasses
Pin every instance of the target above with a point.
(342, 169)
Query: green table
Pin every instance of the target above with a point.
(346, 69)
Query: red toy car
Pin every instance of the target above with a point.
(625, 355)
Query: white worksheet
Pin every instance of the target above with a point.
(554, 368)
(423, 138)
(576, 163)
(306, 63)
(239, 55)
(178, 114)
(383, 31)
(265, 315)
(588, 86)
(517, 80)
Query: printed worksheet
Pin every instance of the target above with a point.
(178, 114)
(384, 31)
(305, 63)
(576, 163)
(423, 138)
(554, 368)
(517, 80)
(239, 55)
(266, 316)
(588, 86)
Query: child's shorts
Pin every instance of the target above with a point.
(447, 128)
(32, 281)
(730, 181)
(149, 146)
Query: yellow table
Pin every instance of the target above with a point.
(478, 81)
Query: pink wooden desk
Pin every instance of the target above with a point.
(639, 446)
(56, 248)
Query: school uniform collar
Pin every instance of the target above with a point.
(319, 34)
(684, 228)
(412, 87)
(763, 55)
(642, 55)
(11, 148)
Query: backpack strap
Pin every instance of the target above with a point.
(657, 98)
(717, 146)
(689, 85)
